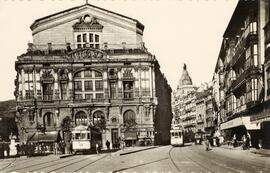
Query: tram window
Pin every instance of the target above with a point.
(83, 136)
(77, 135)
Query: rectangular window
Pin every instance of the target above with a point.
(99, 85)
(96, 38)
(88, 85)
(78, 85)
(78, 96)
(79, 38)
(113, 89)
(88, 96)
(99, 96)
(255, 54)
(254, 92)
(91, 38)
(128, 89)
(84, 38)
(48, 91)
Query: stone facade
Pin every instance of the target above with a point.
(90, 64)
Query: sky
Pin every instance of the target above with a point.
(176, 32)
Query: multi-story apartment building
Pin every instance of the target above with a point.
(239, 71)
(200, 110)
(90, 64)
(184, 105)
(204, 112)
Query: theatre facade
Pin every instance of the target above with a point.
(91, 65)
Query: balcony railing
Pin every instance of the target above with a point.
(239, 80)
(62, 49)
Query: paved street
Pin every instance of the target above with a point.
(162, 159)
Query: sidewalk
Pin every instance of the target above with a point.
(252, 150)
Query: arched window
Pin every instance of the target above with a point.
(48, 119)
(81, 118)
(129, 117)
(98, 117)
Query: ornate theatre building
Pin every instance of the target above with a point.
(91, 65)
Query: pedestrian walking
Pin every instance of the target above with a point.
(108, 145)
(97, 148)
(234, 141)
(55, 148)
(248, 141)
(207, 145)
(123, 145)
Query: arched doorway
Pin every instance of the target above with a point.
(129, 118)
(80, 118)
(130, 135)
(98, 118)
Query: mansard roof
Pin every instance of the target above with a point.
(37, 21)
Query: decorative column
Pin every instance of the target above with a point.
(70, 85)
(56, 87)
(23, 83)
(105, 83)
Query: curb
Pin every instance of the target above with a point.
(64, 156)
(256, 152)
(121, 154)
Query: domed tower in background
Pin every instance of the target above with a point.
(183, 105)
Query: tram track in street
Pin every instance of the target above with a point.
(8, 164)
(175, 165)
(69, 163)
(192, 160)
(42, 163)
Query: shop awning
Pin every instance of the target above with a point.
(130, 135)
(240, 121)
(39, 137)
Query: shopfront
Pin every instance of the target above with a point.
(241, 126)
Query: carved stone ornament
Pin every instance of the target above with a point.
(128, 74)
(63, 74)
(87, 23)
(120, 109)
(86, 53)
(47, 75)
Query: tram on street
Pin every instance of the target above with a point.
(84, 138)
(177, 137)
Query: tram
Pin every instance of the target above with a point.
(84, 138)
(177, 137)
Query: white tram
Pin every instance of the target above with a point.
(177, 137)
(84, 138)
